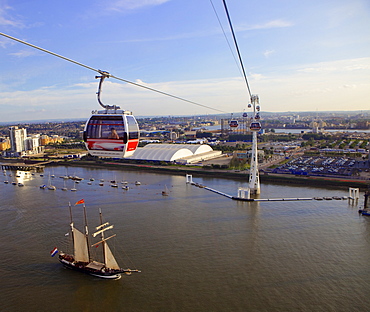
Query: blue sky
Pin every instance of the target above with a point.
(298, 56)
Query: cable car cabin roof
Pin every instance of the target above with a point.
(255, 124)
(112, 112)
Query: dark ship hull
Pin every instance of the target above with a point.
(93, 268)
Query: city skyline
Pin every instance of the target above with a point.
(306, 56)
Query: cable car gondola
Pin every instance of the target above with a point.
(255, 126)
(233, 123)
(111, 132)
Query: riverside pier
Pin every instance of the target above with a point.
(189, 180)
(23, 167)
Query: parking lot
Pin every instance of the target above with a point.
(317, 165)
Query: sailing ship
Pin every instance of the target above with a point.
(82, 261)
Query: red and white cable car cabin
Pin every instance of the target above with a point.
(233, 123)
(111, 133)
(255, 126)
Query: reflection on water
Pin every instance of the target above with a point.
(198, 251)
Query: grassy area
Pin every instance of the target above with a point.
(52, 151)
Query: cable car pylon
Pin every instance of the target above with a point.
(255, 126)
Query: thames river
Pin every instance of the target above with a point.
(197, 250)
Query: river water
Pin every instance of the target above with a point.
(198, 251)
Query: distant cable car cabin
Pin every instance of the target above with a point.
(111, 132)
(245, 115)
(233, 123)
(255, 126)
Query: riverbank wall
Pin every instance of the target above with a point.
(320, 181)
(287, 179)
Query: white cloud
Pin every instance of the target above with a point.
(6, 19)
(256, 76)
(349, 65)
(350, 86)
(23, 53)
(122, 5)
(338, 85)
(344, 11)
(277, 23)
(267, 53)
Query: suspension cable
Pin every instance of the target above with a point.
(237, 49)
(115, 77)
(228, 43)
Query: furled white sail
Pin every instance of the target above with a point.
(103, 230)
(81, 252)
(110, 261)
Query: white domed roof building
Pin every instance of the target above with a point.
(180, 153)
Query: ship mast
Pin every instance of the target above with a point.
(80, 240)
(87, 233)
(109, 260)
(71, 223)
(102, 232)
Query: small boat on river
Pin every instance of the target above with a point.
(50, 186)
(165, 192)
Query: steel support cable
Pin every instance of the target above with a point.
(228, 43)
(237, 48)
(109, 75)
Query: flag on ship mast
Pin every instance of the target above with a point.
(54, 252)
(80, 202)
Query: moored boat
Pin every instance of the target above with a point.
(74, 187)
(64, 188)
(364, 212)
(50, 186)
